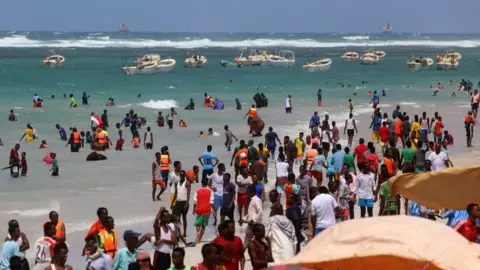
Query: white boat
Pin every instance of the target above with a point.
(54, 61)
(321, 65)
(150, 64)
(453, 54)
(283, 59)
(419, 63)
(447, 63)
(194, 61)
(349, 56)
(379, 54)
(369, 59)
(252, 58)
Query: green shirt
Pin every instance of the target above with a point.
(123, 258)
(252, 154)
(386, 192)
(348, 159)
(54, 164)
(407, 154)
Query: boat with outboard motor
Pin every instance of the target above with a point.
(149, 64)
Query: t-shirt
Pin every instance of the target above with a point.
(207, 158)
(271, 138)
(365, 185)
(282, 169)
(407, 154)
(63, 134)
(392, 205)
(359, 150)
(348, 159)
(243, 182)
(438, 161)
(303, 182)
(9, 249)
(338, 161)
(252, 154)
(438, 127)
(343, 193)
(217, 182)
(377, 120)
(384, 134)
(288, 103)
(228, 193)
(173, 179)
(318, 160)
(314, 120)
(233, 250)
(323, 208)
(372, 160)
(419, 158)
(300, 146)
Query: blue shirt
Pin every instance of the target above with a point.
(337, 160)
(9, 249)
(330, 168)
(126, 121)
(319, 96)
(314, 120)
(377, 120)
(123, 258)
(376, 97)
(207, 158)
(63, 134)
(270, 138)
(258, 188)
(454, 216)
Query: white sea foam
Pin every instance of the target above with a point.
(95, 34)
(413, 104)
(160, 104)
(17, 108)
(356, 37)
(103, 42)
(34, 212)
(171, 87)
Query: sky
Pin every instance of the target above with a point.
(300, 16)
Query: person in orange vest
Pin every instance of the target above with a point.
(390, 164)
(61, 234)
(74, 141)
(97, 226)
(107, 239)
(251, 114)
(192, 175)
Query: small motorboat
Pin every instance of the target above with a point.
(150, 64)
(453, 54)
(194, 61)
(224, 63)
(283, 59)
(250, 58)
(419, 63)
(444, 63)
(54, 61)
(379, 54)
(369, 59)
(349, 56)
(321, 65)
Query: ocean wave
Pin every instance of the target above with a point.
(95, 34)
(160, 104)
(22, 41)
(356, 37)
(35, 212)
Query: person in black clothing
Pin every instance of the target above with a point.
(294, 214)
(85, 99)
(105, 119)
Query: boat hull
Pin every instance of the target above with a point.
(53, 64)
(444, 66)
(414, 66)
(281, 63)
(369, 62)
(316, 68)
(148, 70)
(191, 63)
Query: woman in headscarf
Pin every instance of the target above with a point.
(281, 232)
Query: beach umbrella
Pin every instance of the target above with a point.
(389, 242)
(452, 188)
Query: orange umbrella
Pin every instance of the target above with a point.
(389, 242)
(452, 188)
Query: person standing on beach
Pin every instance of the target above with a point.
(44, 247)
(319, 98)
(469, 124)
(424, 128)
(242, 181)
(324, 208)
(216, 184)
(148, 139)
(259, 248)
(229, 138)
(233, 254)
(252, 112)
(60, 232)
(300, 144)
(85, 98)
(10, 248)
(350, 128)
(206, 160)
(165, 162)
(59, 263)
(173, 179)
(157, 179)
(375, 99)
(271, 139)
(203, 203)
(107, 239)
(375, 125)
(288, 105)
(438, 159)
(314, 120)
(228, 205)
(365, 190)
(128, 254)
(181, 199)
(359, 150)
(22, 242)
(254, 213)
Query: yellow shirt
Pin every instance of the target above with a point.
(300, 145)
(416, 127)
(105, 133)
(414, 144)
(28, 135)
(263, 153)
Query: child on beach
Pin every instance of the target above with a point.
(54, 168)
(335, 133)
(350, 105)
(89, 137)
(82, 138)
(136, 141)
(24, 164)
(43, 145)
(120, 141)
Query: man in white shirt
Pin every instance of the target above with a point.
(438, 159)
(243, 181)
(254, 214)
(173, 179)
(324, 208)
(352, 187)
(365, 190)
(96, 259)
(216, 184)
(288, 104)
(281, 168)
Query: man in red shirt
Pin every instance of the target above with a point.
(384, 132)
(372, 160)
(359, 150)
(233, 246)
(467, 227)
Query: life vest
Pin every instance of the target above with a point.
(58, 228)
(398, 127)
(190, 175)
(76, 137)
(165, 166)
(311, 154)
(389, 164)
(242, 161)
(109, 244)
(469, 119)
(136, 142)
(252, 112)
(101, 138)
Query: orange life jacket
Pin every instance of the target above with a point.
(76, 137)
(398, 127)
(252, 112)
(136, 142)
(58, 228)
(389, 164)
(109, 242)
(101, 138)
(242, 161)
(311, 154)
(165, 166)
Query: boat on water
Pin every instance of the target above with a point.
(194, 61)
(250, 58)
(387, 29)
(419, 63)
(284, 58)
(453, 54)
(349, 56)
(320, 65)
(369, 59)
(445, 63)
(53, 61)
(379, 54)
(123, 28)
(224, 63)
(149, 64)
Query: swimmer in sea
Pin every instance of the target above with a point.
(435, 93)
(12, 116)
(61, 131)
(229, 138)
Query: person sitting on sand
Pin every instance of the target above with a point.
(12, 116)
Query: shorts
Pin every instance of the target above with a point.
(439, 137)
(420, 170)
(319, 230)
(318, 175)
(170, 124)
(206, 172)
(228, 212)
(164, 175)
(201, 220)
(319, 102)
(365, 202)
(242, 200)
(350, 132)
(148, 145)
(179, 209)
(156, 183)
(288, 110)
(474, 106)
(217, 202)
(326, 146)
(271, 148)
(375, 104)
(423, 133)
(375, 136)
